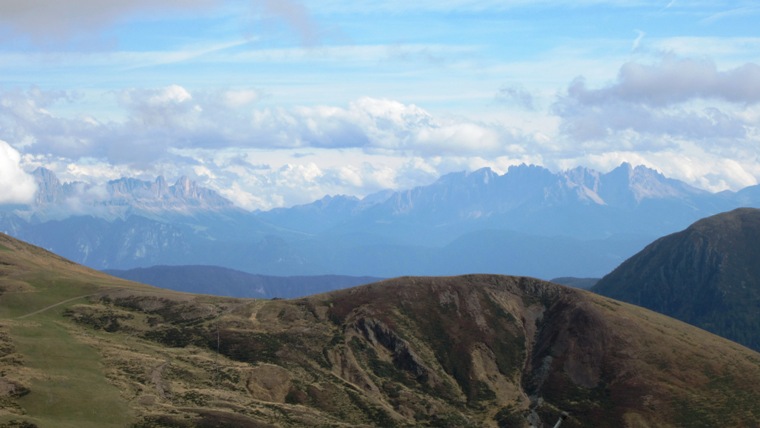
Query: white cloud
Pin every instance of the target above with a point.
(245, 199)
(158, 120)
(16, 186)
(676, 98)
(234, 99)
(674, 81)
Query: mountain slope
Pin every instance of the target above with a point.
(707, 275)
(80, 349)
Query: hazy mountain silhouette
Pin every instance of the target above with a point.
(707, 275)
(221, 281)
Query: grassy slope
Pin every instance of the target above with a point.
(61, 373)
(465, 351)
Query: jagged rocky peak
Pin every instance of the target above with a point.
(584, 183)
(336, 200)
(185, 188)
(48, 186)
(376, 198)
(634, 184)
(485, 175)
(127, 193)
(582, 176)
(161, 186)
(628, 174)
(528, 170)
(190, 192)
(128, 187)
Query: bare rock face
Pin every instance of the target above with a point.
(269, 383)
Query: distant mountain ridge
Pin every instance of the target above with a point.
(580, 203)
(122, 197)
(527, 221)
(707, 275)
(463, 195)
(232, 283)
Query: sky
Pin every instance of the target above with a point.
(281, 102)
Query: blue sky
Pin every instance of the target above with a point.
(277, 103)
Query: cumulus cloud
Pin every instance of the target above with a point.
(600, 122)
(26, 118)
(16, 186)
(171, 107)
(173, 117)
(676, 98)
(674, 81)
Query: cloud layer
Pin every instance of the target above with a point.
(16, 186)
(673, 81)
(159, 120)
(671, 100)
(685, 117)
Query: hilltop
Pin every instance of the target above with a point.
(82, 349)
(707, 275)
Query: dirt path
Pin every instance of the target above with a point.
(156, 376)
(63, 302)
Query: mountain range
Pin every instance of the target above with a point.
(79, 348)
(527, 221)
(221, 281)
